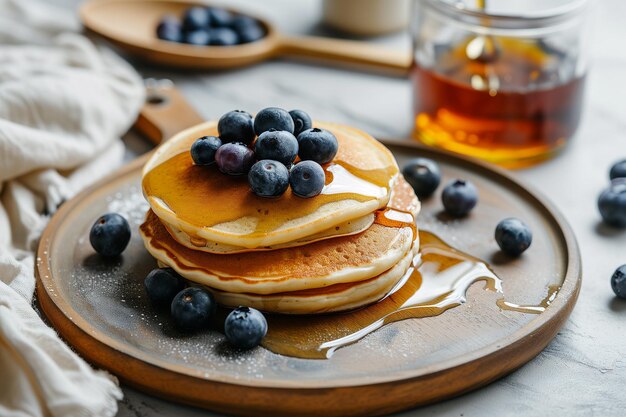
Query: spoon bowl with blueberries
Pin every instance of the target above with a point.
(189, 34)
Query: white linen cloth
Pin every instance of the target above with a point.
(63, 106)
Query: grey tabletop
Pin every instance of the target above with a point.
(583, 371)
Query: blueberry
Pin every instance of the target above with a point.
(196, 18)
(317, 145)
(268, 178)
(618, 170)
(192, 309)
(234, 158)
(199, 37)
(245, 327)
(110, 235)
(273, 118)
(278, 145)
(162, 285)
(224, 37)
(424, 176)
(513, 236)
(236, 126)
(612, 203)
(618, 281)
(251, 33)
(169, 29)
(459, 198)
(307, 179)
(220, 18)
(241, 22)
(301, 120)
(203, 150)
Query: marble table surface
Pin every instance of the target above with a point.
(583, 371)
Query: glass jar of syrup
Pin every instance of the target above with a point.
(503, 80)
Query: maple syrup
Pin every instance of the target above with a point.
(437, 281)
(501, 81)
(189, 191)
(467, 109)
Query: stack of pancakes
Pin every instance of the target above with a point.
(345, 248)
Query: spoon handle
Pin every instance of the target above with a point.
(165, 112)
(346, 52)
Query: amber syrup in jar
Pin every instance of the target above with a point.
(484, 107)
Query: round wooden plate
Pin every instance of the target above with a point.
(100, 309)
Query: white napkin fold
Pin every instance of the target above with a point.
(63, 106)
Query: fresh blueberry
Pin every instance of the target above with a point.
(199, 37)
(169, 29)
(224, 37)
(220, 18)
(459, 198)
(618, 170)
(278, 145)
(240, 22)
(424, 176)
(162, 285)
(234, 158)
(307, 179)
(273, 118)
(612, 203)
(513, 236)
(251, 33)
(245, 327)
(236, 126)
(618, 281)
(196, 18)
(203, 150)
(192, 309)
(301, 120)
(317, 145)
(110, 235)
(268, 178)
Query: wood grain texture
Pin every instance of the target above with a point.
(414, 362)
(131, 25)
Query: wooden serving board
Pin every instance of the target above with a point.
(99, 307)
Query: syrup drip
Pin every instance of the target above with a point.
(437, 281)
(553, 290)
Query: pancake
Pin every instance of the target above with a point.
(203, 203)
(350, 227)
(402, 198)
(338, 297)
(320, 264)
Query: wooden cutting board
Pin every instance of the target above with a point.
(100, 309)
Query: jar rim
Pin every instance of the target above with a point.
(529, 19)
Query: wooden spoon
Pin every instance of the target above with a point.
(131, 25)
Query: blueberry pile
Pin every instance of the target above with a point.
(193, 308)
(210, 26)
(265, 148)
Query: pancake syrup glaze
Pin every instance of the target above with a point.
(202, 196)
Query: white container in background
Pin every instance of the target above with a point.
(367, 17)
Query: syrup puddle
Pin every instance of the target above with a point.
(437, 281)
(553, 290)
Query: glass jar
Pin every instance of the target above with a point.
(500, 81)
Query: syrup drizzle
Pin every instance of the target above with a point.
(437, 281)
(190, 191)
(553, 290)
